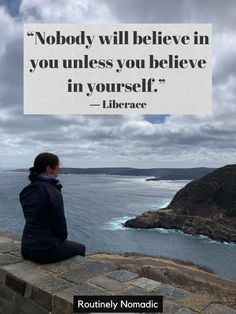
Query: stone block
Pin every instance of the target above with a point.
(83, 260)
(133, 290)
(196, 302)
(87, 271)
(6, 307)
(5, 239)
(62, 302)
(170, 307)
(42, 292)
(9, 259)
(59, 267)
(171, 292)
(6, 247)
(106, 283)
(22, 305)
(16, 253)
(219, 309)
(6, 293)
(9, 234)
(145, 283)
(184, 310)
(25, 271)
(122, 275)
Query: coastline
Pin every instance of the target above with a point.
(193, 225)
(205, 206)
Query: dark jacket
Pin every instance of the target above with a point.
(43, 209)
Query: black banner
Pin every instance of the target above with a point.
(118, 303)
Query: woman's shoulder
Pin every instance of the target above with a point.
(35, 186)
(48, 181)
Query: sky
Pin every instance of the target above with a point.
(141, 141)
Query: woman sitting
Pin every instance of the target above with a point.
(45, 236)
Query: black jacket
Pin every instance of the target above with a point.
(43, 209)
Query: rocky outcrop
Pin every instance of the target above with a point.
(204, 206)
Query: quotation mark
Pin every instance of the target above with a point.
(162, 81)
(30, 33)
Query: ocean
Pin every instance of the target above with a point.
(96, 206)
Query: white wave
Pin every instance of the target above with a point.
(116, 223)
(163, 230)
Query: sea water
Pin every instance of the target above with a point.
(96, 206)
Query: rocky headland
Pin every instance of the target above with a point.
(206, 206)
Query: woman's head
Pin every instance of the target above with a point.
(45, 162)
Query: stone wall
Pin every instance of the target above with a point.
(33, 288)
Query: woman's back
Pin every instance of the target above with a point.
(43, 209)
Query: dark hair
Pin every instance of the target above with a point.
(40, 164)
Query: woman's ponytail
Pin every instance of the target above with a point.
(33, 173)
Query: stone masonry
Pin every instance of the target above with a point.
(33, 288)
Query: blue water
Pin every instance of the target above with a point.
(95, 207)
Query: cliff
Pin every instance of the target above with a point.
(204, 206)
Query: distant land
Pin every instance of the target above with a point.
(204, 206)
(154, 173)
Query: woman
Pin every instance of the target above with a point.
(45, 237)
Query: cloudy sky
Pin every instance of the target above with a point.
(141, 141)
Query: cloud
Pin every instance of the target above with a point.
(221, 14)
(119, 140)
(71, 11)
